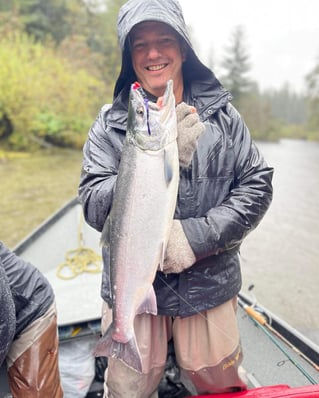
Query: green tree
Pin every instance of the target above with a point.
(83, 31)
(44, 99)
(258, 116)
(103, 39)
(312, 81)
(246, 97)
(45, 19)
(237, 66)
(286, 105)
(94, 30)
(6, 5)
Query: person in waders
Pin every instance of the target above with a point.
(28, 329)
(225, 189)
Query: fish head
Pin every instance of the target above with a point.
(151, 126)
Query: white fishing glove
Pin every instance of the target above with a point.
(179, 255)
(189, 128)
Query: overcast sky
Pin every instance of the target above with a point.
(282, 36)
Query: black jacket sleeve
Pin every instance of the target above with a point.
(31, 292)
(225, 226)
(101, 158)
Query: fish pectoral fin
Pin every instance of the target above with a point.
(168, 169)
(105, 235)
(149, 304)
(127, 352)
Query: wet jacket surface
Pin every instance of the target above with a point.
(25, 295)
(222, 196)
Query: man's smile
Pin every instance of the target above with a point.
(156, 67)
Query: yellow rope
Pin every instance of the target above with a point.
(80, 260)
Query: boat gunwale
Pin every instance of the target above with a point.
(44, 226)
(296, 338)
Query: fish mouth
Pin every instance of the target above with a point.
(155, 68)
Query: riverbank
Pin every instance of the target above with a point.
(33, 186)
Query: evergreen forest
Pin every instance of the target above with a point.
(60, 60)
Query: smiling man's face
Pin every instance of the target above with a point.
(157, 56)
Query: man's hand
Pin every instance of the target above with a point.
(179, 255)
(189, 128)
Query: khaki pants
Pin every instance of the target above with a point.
(33, 360)
(207, 349)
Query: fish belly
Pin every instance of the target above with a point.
(142, 221)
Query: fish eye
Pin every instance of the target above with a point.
(140, 111)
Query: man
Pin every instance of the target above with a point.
(28, 329)
(224, 191)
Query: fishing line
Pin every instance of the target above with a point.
(195, 309)
(261, 322)
(298, 366)
(256, 320)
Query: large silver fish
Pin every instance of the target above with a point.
(139, 223)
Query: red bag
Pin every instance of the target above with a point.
(278, 391)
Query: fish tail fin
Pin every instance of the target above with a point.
(128, 352)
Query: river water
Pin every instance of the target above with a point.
(281, 257)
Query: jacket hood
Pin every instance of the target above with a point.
(169, 12)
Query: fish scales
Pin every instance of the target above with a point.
(139, 223)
